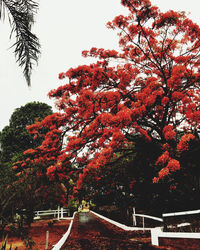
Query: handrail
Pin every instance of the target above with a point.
(182, 213)
(148, 216)
(49, 210)
(157, 233)
(65, 236)
(127, 228)
(58, 212)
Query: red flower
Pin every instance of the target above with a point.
(155, 180)
(184, 142)
(163, 173)
(169, 133)
(173, 165)
(51, 172)
(165, 100)
(163, 159)
(61, 75)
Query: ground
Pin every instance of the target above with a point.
(91, 233)
(38, 234)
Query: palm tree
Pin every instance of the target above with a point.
(21, 17)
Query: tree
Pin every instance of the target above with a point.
(126, 181)
(149, 88)
(23, 194)
(21, 17)
(28, 192)
(15, 139)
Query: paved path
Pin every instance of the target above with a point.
(90, 233)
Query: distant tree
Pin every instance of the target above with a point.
(21, 17)
(14, 138)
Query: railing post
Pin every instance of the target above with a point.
(143, 223)
(58, 212)
(134, 217)
(155, 232)
(61, 215)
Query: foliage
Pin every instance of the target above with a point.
(19, 195)
(21, 17)
(14, 138)
(7, 176)
(72, 204)
(4, 244)
(149, 89)
(126, 181)
(29, 243)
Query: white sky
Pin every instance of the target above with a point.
(64, 28)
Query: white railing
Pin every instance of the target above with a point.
(149, 217)
(145, 216)
(157, 233)
(65, 236)
(56, 213)
(127, 228)
(176, 214)
(182, 213)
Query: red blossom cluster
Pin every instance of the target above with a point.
(169, 133)
(163, 159)
(168, 165)
(183, 145)
(173, 165)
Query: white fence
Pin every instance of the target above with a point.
(145, 216)
(127, 228)
(182, 213)
(65, 236)
(59, 213)
(157, 233)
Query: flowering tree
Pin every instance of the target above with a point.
(149, 88)
(127, 180)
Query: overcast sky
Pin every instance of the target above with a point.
(64, 28)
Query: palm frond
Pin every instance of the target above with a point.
(27, 47)
(2, 10)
